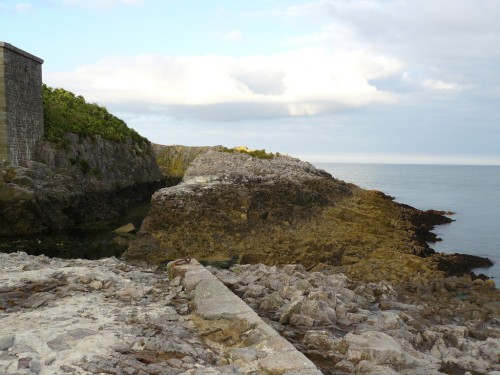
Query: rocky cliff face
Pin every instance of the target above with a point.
(278, 211)
(88, 179)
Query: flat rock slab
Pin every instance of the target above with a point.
(97, 317)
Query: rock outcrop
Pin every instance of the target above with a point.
(85, 180)
(174, 160)
(234, 207)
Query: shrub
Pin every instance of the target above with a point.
(261, 154)
(64, 112)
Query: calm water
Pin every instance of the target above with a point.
(472, 192)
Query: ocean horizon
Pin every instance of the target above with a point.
(471, 192)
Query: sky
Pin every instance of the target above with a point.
(381, 81)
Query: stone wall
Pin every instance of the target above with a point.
(21, 104)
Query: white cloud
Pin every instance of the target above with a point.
(98, 4)
(233, 35)
(432, 38)
(22, 7)
(18, 7)
(440, 85)
(296, 83)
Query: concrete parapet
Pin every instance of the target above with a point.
(230, 326)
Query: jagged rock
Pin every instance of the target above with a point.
(272, 302)
(320, 311)
(288, 310)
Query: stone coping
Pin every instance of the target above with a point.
(20, 52)
(231, 326)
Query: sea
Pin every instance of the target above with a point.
(472, 192)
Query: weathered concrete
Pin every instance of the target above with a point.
(235, 329)
(21, 104)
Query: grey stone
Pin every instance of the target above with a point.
(320, 311)
(129, 371)
(96, 284)
(58, 344)
(174, 362)
(243, 354)
(80, 333)
(365, 367)
(24, 362)
(6, 342)
(254, 291)
(301, 320)
(288, 310)
(272, 302)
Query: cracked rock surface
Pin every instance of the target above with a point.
(95, 317)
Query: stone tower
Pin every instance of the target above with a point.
(21, 105)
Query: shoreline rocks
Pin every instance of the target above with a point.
(105, 316)
(374, 328)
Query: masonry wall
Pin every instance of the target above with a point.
(21, 104)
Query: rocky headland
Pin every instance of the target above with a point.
(83, 179)
(235, 208)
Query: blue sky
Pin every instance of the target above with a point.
(397, 81)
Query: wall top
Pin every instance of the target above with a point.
(20, 52)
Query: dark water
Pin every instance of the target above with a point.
(90, 241)
(472, 192)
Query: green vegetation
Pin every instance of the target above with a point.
(261, 154)
(64, 112)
